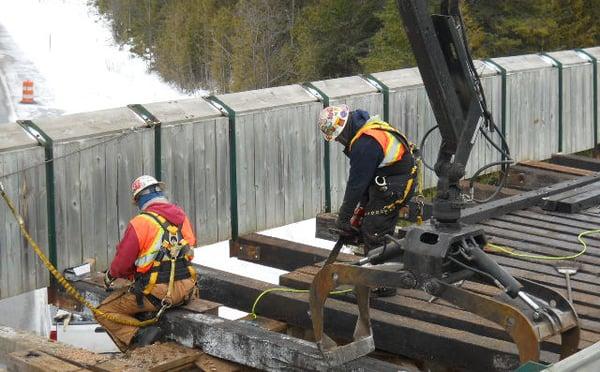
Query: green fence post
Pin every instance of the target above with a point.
(594, 61)
(324, 98)
(45, 141)
(152, 122)
(559, 65)
(385, 90)
(230, 113)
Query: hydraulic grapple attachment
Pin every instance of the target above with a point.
(529, 312)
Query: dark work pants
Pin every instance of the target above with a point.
(379, 221)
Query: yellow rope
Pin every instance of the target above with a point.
(511, 251)
(62, 280)
(289, 290)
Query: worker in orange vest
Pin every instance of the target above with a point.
(382, 172)
(156, 253)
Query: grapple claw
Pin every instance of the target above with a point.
(555, 315)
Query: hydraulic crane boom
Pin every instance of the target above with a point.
(433, 256)
(454, 92)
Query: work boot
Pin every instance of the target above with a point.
(146, 336)
(383, 292)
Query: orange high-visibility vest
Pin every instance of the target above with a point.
(150, 239)
(393, 143)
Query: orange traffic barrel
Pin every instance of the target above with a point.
(27, 92)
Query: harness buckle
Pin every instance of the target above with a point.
(381, 182)
(165, 306)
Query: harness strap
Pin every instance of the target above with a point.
(392, 206)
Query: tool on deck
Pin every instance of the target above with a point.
(435, 255)
(567, 271)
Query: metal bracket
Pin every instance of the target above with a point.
(248, 253)
(152, 122)
(144, 114)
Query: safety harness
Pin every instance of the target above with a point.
(403, 164)
(395, 160)
(171, 262)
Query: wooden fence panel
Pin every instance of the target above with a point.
(22, 174)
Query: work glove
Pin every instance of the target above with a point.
(345, 228)
(108, 280)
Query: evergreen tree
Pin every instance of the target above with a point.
(391, 49)
(261, 43)
(334, 35)
(183, 45)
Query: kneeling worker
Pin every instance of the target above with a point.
(382, 172)
(155, 252)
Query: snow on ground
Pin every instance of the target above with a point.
(68, 51)
(217, 257)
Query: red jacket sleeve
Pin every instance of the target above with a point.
(123, 265)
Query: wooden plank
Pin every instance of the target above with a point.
(539, 266)
(263, 170)
(200, 209)
(558, 236)
(211, 229)
(324, 222)
(559, 202)
(556, 168)
(222, 164)
(112, 202)
(14, 257)
(181, 361)
(199, 305)
(28, 200)
(39, 361)
(93, 203)
(539, 245)
(591, 240)
(209, 363)
(579, 202)
(521, 201)
(576, 161)
(572, 220)
(528, 178)
(267, 251)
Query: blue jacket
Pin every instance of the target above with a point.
(365, 157)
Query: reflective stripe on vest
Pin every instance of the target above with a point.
(147, 256)
(392, 147)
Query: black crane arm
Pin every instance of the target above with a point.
(453, 88)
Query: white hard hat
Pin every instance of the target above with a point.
(332, 121)
(143, 182)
